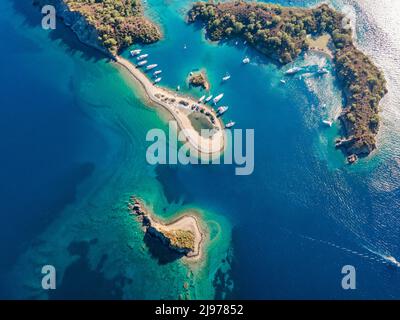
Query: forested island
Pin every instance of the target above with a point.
(280, 33)
(199, 79)
(111, 25)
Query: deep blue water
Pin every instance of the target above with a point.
(296, 221)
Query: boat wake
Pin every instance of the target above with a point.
(372, 255)
(386, 257)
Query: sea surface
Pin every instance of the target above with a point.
(73, 147)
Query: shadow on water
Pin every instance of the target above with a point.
(80, 281)
(65, 194)
(33, 17)
(160, 251)
(169, 179)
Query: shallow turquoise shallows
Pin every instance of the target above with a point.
(73, 130)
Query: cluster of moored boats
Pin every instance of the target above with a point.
(141, 61)
(219, 111)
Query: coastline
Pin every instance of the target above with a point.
(188, 220)
(213, 146)
(321, 44)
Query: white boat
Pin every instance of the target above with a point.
(157, 72)
(226, 78)
(157, 80)
(283, 81)
(178, 88)
(151, 66)
(230, 124)
(142, 63)
(208, 98)
(392, 260)
(142, 56)
(222, 110)
(135, 52)
(322, 71)
(328, 123)
(293, 70)
(218, 98)
(201, 99)
(246, 60)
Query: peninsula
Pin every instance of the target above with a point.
(183, 235)
(108, 25)
(181, 108)
(112, 25)
(283, 33)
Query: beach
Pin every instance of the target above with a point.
(179, 107)
(188, 221)
(321, 44)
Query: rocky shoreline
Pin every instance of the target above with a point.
(183, 235)
(108, 27)
(282, 34)
(199, 79)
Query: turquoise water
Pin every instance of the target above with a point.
(74, 130)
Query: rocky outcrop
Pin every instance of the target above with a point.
(199, 79)
(85, 32)
(179, 240)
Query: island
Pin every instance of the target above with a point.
(108, 25)
(199, 79)
(183, 235)
(112, 25)
(283, 33)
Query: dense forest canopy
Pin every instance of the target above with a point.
(120, 23)
(280, 33)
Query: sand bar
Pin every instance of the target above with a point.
(172, 101)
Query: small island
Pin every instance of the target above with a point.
(283, 33)
(184, 235)
(199, 79)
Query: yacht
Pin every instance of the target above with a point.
(201, 99)
(222, 110)
(328, 123)
(142, 63)
(142, 56)
(230, 124)
(226, 77)
(218, 98)
(208, 98)
(283, 81)
(293, 70)
(151, 66)
(246, 60)
(157, 80)
(135, 52)
(157, 72)
(392, 260)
